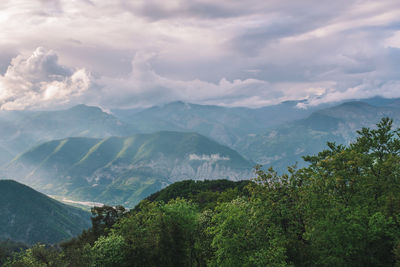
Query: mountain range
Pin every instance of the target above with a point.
(122, 156)
(20, 130)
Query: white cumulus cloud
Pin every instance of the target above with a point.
(39, 81)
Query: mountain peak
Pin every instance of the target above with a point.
(83, 107)
(354, 104)
(179, 104)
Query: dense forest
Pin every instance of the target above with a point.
(343, 209)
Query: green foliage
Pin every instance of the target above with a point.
(160, 234)
(278, 202)
(37, 256)
(242, 237)
(109, 251)
(351, 195)
(8, 247)
(206, 194)
(104, 218)
(78, 249)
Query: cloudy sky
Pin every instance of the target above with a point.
(56, 53)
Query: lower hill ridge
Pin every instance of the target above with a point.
(30, 217)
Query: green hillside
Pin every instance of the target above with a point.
(29, 216)
(124, 170)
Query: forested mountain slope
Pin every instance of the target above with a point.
(29, 216)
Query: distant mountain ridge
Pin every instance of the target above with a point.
(286, 144)
(29, 216)
(123, 170)
(20, 130)
(224, 124)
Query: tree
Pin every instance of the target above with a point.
(160, 234)
(103, 218)
(351, 194)
(37, 256)
(109, 251)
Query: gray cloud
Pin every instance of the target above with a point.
(144, 86)
(203, 9)
(235, 53)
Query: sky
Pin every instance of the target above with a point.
(128, 54)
